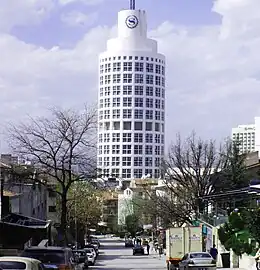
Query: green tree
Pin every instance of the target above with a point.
(61, 147)
(132, 224)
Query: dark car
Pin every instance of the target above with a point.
(82, 257)
(95, 241)
(138, 249)
(52, 257)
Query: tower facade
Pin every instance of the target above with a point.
(131, 103)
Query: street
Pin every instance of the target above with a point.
(114, 256)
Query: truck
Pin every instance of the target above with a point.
(182, 240)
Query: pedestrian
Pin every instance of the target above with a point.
(214, 252)
(257, 259)
(148, 248)
(160, 251)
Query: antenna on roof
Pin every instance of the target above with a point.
(132, 4)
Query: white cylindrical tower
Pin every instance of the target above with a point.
(131, 103)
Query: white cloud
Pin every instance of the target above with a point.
(85, 2)
(213, 72)
(76, 18)
(13, 12)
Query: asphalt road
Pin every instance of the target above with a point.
(114, 256)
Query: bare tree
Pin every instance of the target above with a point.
(61, 147)
(188, 170)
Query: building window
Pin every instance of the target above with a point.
(139, 114)
(116, 78)
(139, 67)
(116, 114)
(157, 80)
(157, 104)
(148, 162)
(116, 90)
(127, 149)
(107, 102)
(158, 92)
(106, 161)
(101, 92)
(106, 172)
(139, 78)
(127, 78)
(100, 162)
(115, 137)
(127, 102)
(157, 162)
(107, 68)
(127, 113)
(107, 79)
(127, 137)
(115, 161)
(158, 69)
(157, 138)
(127, 90)
(100, 138)
(139, 90)
(101, 69)
(148, 126)
(116, 125)
(157, 127)
(116, 149)
(149, 91)
(148, 149)
(139, 102)
(126, 161)
(138, 137)
(128, 66)
(138, 126)
(127, 125)
(126, 173)
(149, 138)
(138, 173)
(116, 102)
(138, 149)
(163, 70)
(101, 115)
(106, 149)
(149, 67)
(138, 161)
(157, 150)
(157, 115)
(163, 81)
(100, 150)
(106, 114)
(149, 79)
(115, 173)
(149, 114)
(149, 103)
(106, 137)
(116, 67)
(163, 93)
(101, 80)
(107, 91)
(149, 172)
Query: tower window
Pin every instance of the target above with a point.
(128, 66)
(139, 66)
(149, 103)
(116, 90)
(138, 114)
(126, 173)
(158, 69)
(138, 137)
(148, 126)
(127, 125)
(138, 102)
(149, 79)
(138, 149)
(127, 78)
(149, 114)
(139, 90)
(127, 149)
(127, 102)
(138, 126)
(138, 161)
(148, 149)
(148, 161)
(116, 67)
(149, 67)
(138, 173)
(149, 138)
(126, 161)
(127, 137)
(116, 78)
(127, 90)
(139, 78)
(127, 113)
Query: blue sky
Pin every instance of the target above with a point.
(49, 51)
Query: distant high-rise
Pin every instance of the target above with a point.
(245, 136)
(131, 108)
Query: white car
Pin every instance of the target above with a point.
(91, 255)
(197, 261)
(13, 262)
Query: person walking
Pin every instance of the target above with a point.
(148, 248)
(214, 252)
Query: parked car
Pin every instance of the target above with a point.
(82, 257)
(138, 249)
(91, 254)
(95, 241)
(52, 257)
(92, 246)
(197, 260)
(13, 262)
